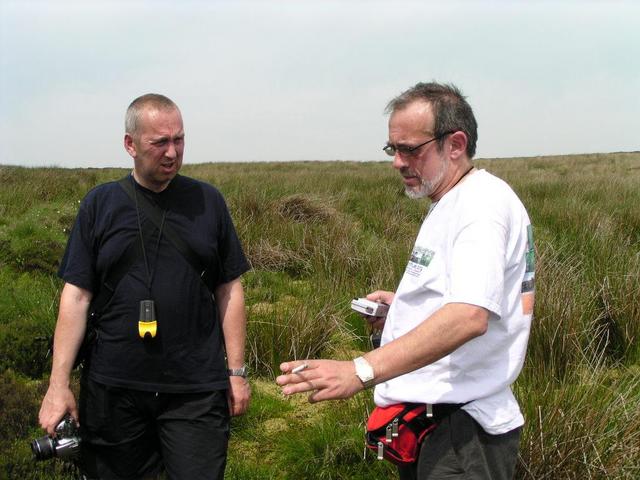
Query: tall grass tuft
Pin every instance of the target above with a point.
(587, 426)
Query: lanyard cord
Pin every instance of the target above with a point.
(144, 251)
(435, 204)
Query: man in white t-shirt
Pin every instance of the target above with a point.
(458, 324)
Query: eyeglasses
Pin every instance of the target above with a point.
(391, 150)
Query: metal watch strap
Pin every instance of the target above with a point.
(238, 372)
(364, 371)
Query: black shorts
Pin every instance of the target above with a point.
(460, 449)
(130, 434)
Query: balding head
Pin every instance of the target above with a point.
(149, 101)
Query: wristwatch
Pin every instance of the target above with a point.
(364, 371)
(238, 372)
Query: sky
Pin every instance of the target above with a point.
(309, 80)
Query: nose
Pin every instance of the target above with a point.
(398, 162)
(171, 152)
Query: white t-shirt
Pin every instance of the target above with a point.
(474, 247)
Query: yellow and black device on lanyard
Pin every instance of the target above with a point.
(147, 322)
(147, 325)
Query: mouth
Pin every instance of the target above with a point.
(410, 178)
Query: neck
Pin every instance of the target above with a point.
(154, 187)
(455, 181)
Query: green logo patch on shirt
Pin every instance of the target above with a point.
(420, 259)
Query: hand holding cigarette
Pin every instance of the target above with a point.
(320, 379)
(300, 368)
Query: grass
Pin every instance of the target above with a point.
(320, 233)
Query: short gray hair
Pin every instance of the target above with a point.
(451, 111)
(148, 100)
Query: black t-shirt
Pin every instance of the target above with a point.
(187, 353)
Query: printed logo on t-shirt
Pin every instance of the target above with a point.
(420, 259)
(528, 283)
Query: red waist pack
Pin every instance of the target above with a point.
(395, 432)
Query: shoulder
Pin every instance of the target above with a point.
(485, 188)
(101, 193)
(485, 196)
(190, 186)
(484, 180)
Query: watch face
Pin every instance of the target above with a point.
(364, 371)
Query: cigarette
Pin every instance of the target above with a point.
(299, 368)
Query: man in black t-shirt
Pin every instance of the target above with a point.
(159, 401)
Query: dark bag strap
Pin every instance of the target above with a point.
(154, 214)
(114, 275)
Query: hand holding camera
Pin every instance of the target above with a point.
(369, 307)
(65, 445)
(374, 307)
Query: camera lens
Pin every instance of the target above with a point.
(43, 448)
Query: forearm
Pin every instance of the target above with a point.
(70, 328)
(440, 334)
(443, 332)
(69, 332)
(230, 301)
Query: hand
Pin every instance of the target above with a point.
(325, 379)
(380, 296)
(238, 395)
(57, 402)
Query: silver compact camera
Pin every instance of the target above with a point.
(65, 445)
(369, 307)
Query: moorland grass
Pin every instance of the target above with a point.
(318, 234)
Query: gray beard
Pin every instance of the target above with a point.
(426, 187)
(417, 193)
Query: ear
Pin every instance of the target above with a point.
(129, 145)
(458, 144)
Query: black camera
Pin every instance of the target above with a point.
(375, 338)
(65, 445)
